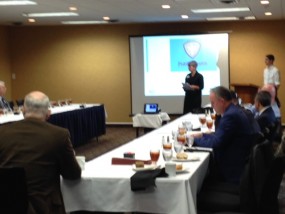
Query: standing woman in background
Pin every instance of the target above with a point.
(193, 86)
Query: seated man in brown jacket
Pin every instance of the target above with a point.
(43, 150)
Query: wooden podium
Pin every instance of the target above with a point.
(246, 92)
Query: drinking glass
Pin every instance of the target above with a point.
(202, 119)
(167, 151)
(209, 123)
(190, 140)
(178, 147)
(213, 116)
(181, 138)
(154, 155)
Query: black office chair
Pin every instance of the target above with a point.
(20, 102)
(11, 104)
(258, 189)
(13, 189)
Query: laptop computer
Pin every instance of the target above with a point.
(151, 108)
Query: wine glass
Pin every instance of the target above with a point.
(154, 155)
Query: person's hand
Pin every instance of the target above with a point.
(197, 134)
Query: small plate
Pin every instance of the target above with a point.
(194, 158)
(184, 169)
(146, 167)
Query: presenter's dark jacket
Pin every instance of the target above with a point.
(45, 151)
(193, 98)
(231, 142)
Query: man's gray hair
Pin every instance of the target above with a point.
(36, 105)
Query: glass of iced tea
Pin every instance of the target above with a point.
(213, 116)
(154, 155)
(181, 138)
(202, 119)
(209, 123)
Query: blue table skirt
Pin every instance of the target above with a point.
(83, 124)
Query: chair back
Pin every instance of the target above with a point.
(261, 181)
(13, 189)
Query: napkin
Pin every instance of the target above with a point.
(142, 180)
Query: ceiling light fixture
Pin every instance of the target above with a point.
(12, 3)
(73, 8)
(165, 6)
(221, 10)
(84, 22)
(106, 18)
(249, 18)
(54, 14)
(222, 18)
(184, 16)
(268, 13)
(31, 20)
(264, 2)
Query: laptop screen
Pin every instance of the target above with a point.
(150, 108)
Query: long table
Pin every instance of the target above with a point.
(83, 123)
(106, 187)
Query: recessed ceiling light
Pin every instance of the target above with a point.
(31, 20)
(165, 6)
(222, 18)
(221, 10)
(264, 2)
(106, 18)
(11, 3)
(184, 16)
(249, 18)
(73, 8)
(84, 22)
(50, 14)
(268, 13)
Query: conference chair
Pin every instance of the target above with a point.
(258, 189)
(11, 104)
(20, 102)
(13, 190)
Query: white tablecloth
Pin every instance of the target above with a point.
(150, 120)
(55, 110)
(106, 187)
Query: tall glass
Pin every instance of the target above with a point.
(178, 147)
(202, 119)
(210, 124)
(167, 151)
(154, 155)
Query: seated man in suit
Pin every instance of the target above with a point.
(266, 117)
(232, 140)
(43, 150)
(4, 104)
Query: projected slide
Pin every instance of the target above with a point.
(166, 58)
(159, 66)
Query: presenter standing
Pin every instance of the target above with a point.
(193, 86)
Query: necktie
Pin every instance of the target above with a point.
(5, 104)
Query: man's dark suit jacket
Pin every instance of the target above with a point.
(231, 142)
(45, 152)
(267, 120)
